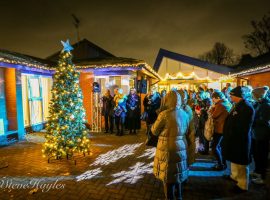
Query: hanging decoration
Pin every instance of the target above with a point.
(180, 75)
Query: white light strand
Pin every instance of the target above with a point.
(26, 64)
(244, 72)
(79, 68)
(180, 75)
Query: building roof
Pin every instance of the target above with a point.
(84, 50)
(249, 65)
(189, 60)
(36, 65)
(94, 62)
(6, 55)
(89, 56)
(24, 62)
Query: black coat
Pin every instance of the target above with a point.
(237, 133)
(133, 106)
(261, 125)
(134, 110)
(107, 105)
(151, 105)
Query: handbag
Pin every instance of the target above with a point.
(151, 140)
(209, 128)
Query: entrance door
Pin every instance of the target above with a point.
(35, 102)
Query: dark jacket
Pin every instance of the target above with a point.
(151, 105)
(107, 105)
(203, 106)
(237, 133)
(261, 125)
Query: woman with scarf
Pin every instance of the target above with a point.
(133, 111)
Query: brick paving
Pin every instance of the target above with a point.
(117, 168)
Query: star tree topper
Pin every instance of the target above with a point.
(67, 46)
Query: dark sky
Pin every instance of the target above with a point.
(128, 28)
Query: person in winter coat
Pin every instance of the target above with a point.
(120, 111)
(107, 111)
(237, 139)
(172, 127)
(162, 96)
(151, 105)
(201, 109)
(219, 112)
(133, 110)
(191, 135)
(261, 134)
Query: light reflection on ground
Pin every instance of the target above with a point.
(135, 173)
(114, 155)
(89, 174)
(149, 153)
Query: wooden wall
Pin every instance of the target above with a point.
(10, 91)
(258, 80)
(86, 84)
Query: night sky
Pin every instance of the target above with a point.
(128, 28)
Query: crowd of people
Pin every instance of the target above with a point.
(121, 110)
(240, 130)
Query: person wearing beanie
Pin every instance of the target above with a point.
(237, 139)
(261, 134)
(260, 93)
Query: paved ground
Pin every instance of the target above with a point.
(117, 168)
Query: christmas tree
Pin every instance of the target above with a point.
(66, 131)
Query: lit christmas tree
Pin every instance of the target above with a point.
(66, 131)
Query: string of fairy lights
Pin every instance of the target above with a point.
(222, 78)
(180, 75)
(28, 64)
(140, 65)
(252, 70)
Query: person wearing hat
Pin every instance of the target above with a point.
(237, 139)
(261, 134)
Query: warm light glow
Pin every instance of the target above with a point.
(180, 75)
